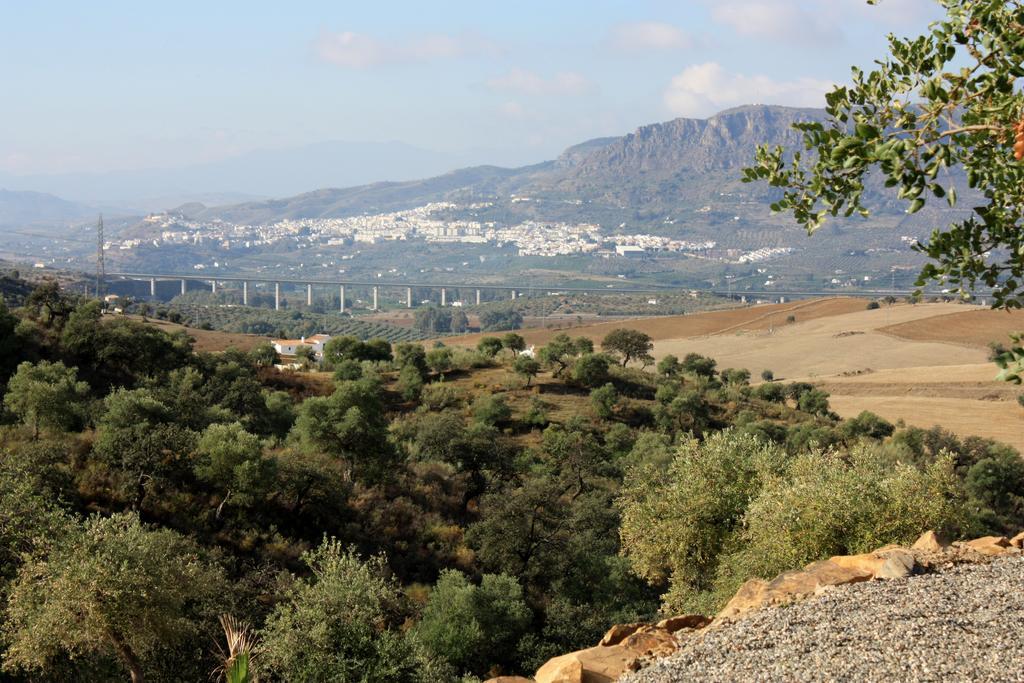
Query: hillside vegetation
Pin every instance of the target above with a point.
(402, 513)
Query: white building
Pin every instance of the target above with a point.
(288, 347)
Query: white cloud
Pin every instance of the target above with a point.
(815, 21)
(647, 36)
(705, 89)
(777, 19)
(359, 51)
(523, 82)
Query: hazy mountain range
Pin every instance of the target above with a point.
(655, 170)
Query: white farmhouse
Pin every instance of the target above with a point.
(288, 347)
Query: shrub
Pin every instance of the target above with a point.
(676, 519)
(873, 305)
(473, 628)
(590, 370)
(776, 393)
(768, 375)
(491, 410)
(814, 402)
(335, 624)
(833, 504)
(603, 400)
(437, 396)
(737, 376)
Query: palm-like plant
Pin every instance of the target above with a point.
(238, 659)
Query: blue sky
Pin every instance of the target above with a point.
(124, 85)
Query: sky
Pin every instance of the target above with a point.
(114, 85)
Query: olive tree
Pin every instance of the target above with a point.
(335, 625)
(949, 99)
(111, 588)
(630, 345)
(46, 395)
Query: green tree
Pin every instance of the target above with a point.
(604, 399)
(264, 355)
(527, 367)
(351, 425)
(558, 353)
(490, 409)
(736, 376)
(699, 365)
(590, 370)
(410, 382)
(630, 345)
(669, 366)
(513, 342)
(950, 99)
(474, 628)
(489, 346)
(111, 588)
(336, 625)
(496, 320)
(46, 395)
(814, 401)
(440, 360)
(231, 459)
(677, 520)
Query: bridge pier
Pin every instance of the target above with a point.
(277, 296)
(152, 287)
(213, 286)
(375, 294)
(341, 292)
(478, 297)
(514, 294)
(182, 286)
(245, 293)
(444, 297)
(408, 297)
(309, 295)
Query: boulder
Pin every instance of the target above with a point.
(605, 663)
(987, 545)
(1018, 541)
(793, 585)
(678, 623)
(651, 641)
(509, 679)
(888, 562)
(616, 634)
(929, 542)
(600, 664)
(750, 596)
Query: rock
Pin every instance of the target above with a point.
(605, 663)
(899, 564)
(929, 542)
(889, 562)
(987, 545)
(651, 641)
(509, 679)
(616, 634)
(794, 585)
(598, 664)
(678, 623)
(749, 596)
(1018, 540)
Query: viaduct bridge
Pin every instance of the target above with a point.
(247, 284)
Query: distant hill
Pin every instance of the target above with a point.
(40, 209)
(658, 166)
(260, 173)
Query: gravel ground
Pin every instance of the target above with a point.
(964, 624)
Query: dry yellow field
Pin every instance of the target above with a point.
(926, 365)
